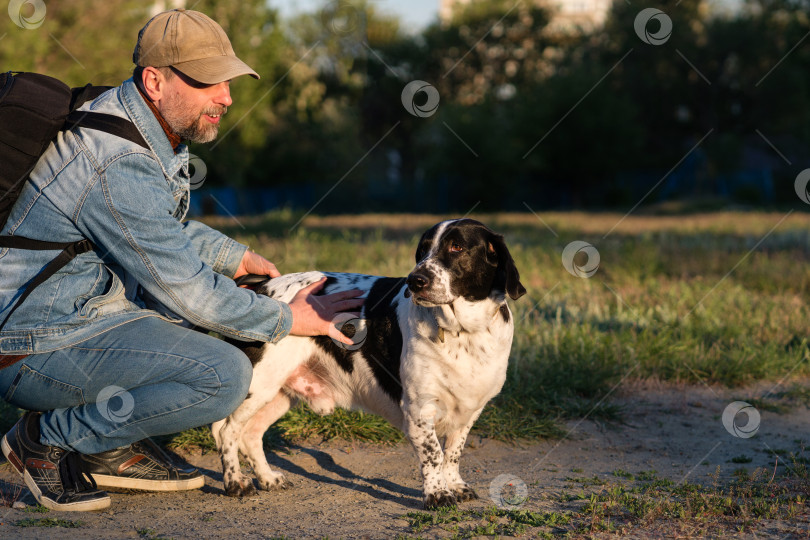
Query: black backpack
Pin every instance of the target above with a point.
(34, 108)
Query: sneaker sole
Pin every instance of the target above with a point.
(83, 506)
(142, 484)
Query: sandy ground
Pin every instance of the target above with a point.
(345, 490)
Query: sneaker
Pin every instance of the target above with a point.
(143, 466)
(54, 476)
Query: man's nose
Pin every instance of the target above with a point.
(223, 96)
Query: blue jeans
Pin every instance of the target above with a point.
(147, 377)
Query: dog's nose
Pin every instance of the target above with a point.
(417, 282)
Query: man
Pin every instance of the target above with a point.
(95, 353)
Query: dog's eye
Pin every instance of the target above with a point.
(455, 247)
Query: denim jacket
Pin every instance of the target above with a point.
(130, 202)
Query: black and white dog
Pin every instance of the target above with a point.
(431, 350)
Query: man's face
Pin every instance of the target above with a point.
(193, 110)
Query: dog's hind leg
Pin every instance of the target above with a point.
(252, 446)
(229, 436)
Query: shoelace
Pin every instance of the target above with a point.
(149, 448)
(73, 476)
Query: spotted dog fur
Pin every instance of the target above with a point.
(431, 351)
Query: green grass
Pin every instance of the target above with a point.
(709, 299)
(704, 299)
(492, 521)
(48, 523)
(150, 534)
(640, 504)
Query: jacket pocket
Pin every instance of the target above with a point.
(111, 301)
(33, 391)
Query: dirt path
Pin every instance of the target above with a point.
(345, 490)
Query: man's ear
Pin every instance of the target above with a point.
(153, 83)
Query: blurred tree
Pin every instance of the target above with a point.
(549, 117)
(492, 47)
(78, 41)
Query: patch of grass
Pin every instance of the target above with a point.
(742, 458)
(621, 473)
(592, 481)
(641, 505)
(770, 405)
(707, 298)
(508, 419)
(738, 505)
(492, 521)
(200, 437)
(49, 522)
(302, 423)
(151, 534)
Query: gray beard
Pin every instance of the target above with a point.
(198, 132)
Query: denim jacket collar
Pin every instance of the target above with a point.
(150, 128)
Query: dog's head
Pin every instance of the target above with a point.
(462, 258)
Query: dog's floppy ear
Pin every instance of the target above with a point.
(507, 273)
(251, 281)
(421, 247)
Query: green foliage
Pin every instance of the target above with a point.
(302, 423)
(663, 305)
(554, 117)
(79, 41)
(49, 523)
(643, 505)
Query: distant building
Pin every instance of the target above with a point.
(568, 15)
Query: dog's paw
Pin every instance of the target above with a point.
(439, 499)
(242, 488)
(275, 483)
(464, 493)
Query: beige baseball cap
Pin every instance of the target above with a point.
(192, 43)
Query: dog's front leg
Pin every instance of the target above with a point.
(431, 459)
(453, 447)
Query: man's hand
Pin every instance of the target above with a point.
(315, 315)
(256, 264)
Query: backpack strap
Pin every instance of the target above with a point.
(82, 94)
(69, 251)
(108, 123)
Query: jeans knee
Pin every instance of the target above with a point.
(234, 372)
